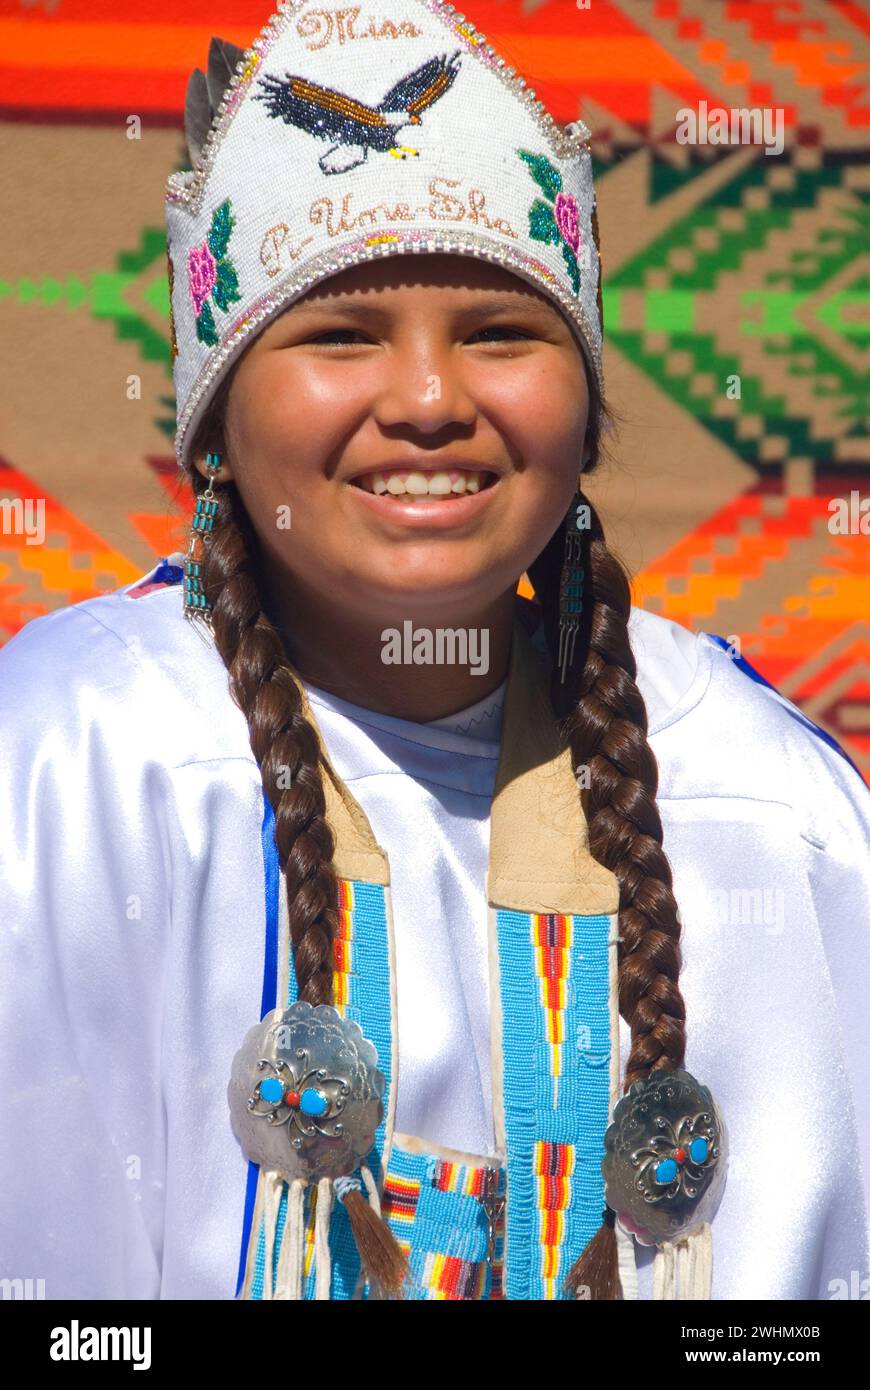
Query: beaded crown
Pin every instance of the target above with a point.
(347, 134)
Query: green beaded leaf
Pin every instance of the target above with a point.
(222, 224)
(545, 174)
(226, 287)
(205, 329)
(573, 268)
(542, 223)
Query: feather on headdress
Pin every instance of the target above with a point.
(204, 94)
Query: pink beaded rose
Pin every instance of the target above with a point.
(556, 216)
(568, 220)
(211, 275)
(201, 275)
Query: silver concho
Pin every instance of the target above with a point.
(665, 1157)
(305, 1093)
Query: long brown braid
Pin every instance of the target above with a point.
(285, 745)
(602, 717)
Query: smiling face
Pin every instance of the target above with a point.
(394, 379)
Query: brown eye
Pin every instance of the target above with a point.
(321, 339)
(518, 334)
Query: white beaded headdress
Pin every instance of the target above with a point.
(342, 135)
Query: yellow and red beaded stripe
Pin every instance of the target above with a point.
(453, 1177)
(554, 1164)
(448, 1278)
(343, 945)
(399, 1206)
(551, 939)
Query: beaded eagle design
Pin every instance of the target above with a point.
(354, 126)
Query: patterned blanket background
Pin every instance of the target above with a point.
(736, 294)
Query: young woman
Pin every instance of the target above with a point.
(410, 821)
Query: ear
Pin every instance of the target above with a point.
(224, 473)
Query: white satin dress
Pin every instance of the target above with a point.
(131, 884)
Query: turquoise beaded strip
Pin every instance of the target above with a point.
(434, 1209)
(368, 1003)
(556, 1047)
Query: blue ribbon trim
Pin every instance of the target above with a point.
(748, 670)
(267, 1003)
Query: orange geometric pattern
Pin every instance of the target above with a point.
(827, 615)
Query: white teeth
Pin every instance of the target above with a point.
(417, 485)
(420, 485)
(439, 485)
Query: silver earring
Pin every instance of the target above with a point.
(571, 584)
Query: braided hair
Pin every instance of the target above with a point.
(600, 714)
(602, 717)
(286, 747)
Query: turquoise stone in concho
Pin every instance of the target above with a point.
(666, 1171)
(271, 1090)
(699, 1149)
(313, 1102)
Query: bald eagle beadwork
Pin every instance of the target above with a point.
(354, 126)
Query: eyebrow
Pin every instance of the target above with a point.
(349, 306)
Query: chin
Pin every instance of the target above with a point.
(418, 596)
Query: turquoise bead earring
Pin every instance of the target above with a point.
(196, 605)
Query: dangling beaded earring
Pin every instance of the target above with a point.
(571, 584)
(196, 604)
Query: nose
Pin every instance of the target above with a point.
(425, 387)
